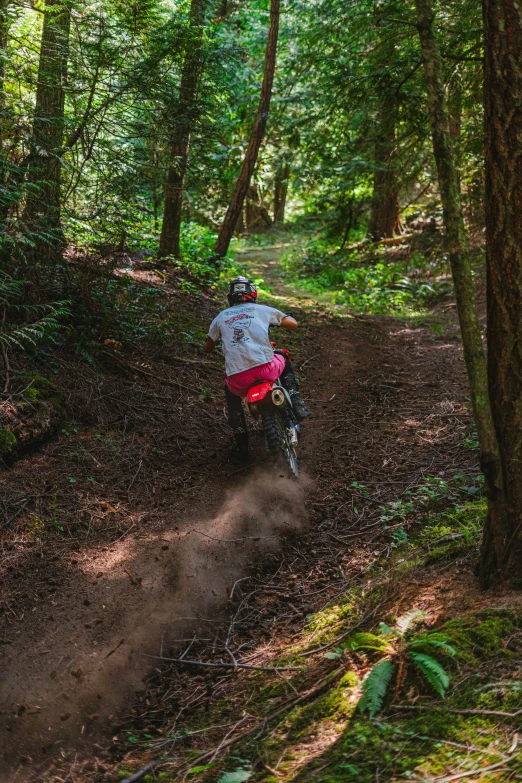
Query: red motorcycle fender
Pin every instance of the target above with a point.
(258, 392)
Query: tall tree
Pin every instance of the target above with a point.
(42, 214)
(455, 239)
(502, 543)
(280, 192)
(256, 137)
(186, 111)
(384, 217)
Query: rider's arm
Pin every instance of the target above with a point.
(210, 344)
(288, 322)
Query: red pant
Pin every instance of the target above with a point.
(240, 383)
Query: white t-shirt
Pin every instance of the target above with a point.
(243, 331)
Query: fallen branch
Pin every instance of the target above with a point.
(230, 665)
(498, 713)
(141, 773)
(471, 772)
(230, 540)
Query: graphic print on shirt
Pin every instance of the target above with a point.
(238, 323)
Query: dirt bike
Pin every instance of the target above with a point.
(270, 401)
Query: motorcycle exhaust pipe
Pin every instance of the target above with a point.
(278, 397)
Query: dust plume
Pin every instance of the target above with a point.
(66, 679)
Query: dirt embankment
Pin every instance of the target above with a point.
(127, 535)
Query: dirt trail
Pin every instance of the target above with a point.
(77, 657)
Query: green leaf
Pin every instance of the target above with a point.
(408, 620)
(432, 671)
(375, 686)
(438, 640)
(203, 768)
(386, 630)
(238, 776)
(332, 656)
(366, 641)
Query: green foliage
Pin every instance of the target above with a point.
(364, 280)
(238, 776)
(431, 670)
(433, 491)
(375, 687)
(402, 649)
(24, 324)
(7, 442)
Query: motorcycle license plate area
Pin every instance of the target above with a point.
(258, 392)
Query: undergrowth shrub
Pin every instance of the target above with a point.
(369, 280)
(24, 323)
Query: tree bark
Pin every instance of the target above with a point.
(181, 130)
(384, 217)
(7, 196)
(455, 239)
(256, 137)
(42, 213)
(257, 218)
(280, 192)
(502, 544)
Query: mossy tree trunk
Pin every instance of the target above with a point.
(502, 544)
(455, 239)
(186, 112)
(256, 137)
(42, 213)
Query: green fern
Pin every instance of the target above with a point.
(366, 641)
(427, 640)
(432, 671)
(401, 648)
(409, 620)
(375, 687)
(24, 324)
(239, 776)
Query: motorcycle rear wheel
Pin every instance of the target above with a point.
(278, 440)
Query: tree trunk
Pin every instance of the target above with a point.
(384, 218)
(42, 209)
(280, 191)
(181, 130)
(456, 247)
(257, 218)
(4, 24)
(8, 193)
(256, 137)
(502, 544)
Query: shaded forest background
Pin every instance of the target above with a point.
(98, 97)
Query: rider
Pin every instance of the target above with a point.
(249, 355)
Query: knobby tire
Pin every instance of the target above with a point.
(277, 441)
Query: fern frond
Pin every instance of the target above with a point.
(437, 640)
(375, 687)
(432, 671)
(366, 641)
(410, 619)
(238, 776)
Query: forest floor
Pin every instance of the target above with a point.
(130, 537)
